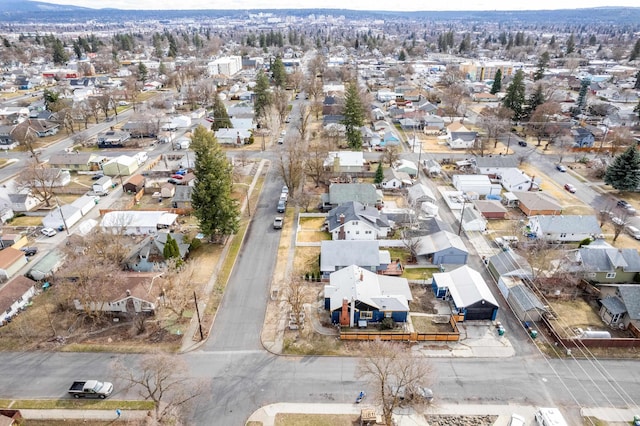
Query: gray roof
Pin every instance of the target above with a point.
(489, 206)
(183, 193)
(497, 161)
(365, 193)
(348, 252)
(64, 158)
(509, 263)
(569, 223)
(356, 211)
(420, 193)
(610, 259)
(439, 241)
(525, 297)
(537, 200)
(465, 136)
(466, 286)
(630, 295)
(614, 305)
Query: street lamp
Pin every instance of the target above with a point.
(464, 204)
(64, 222)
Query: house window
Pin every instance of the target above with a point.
(611, 275)
(367, 232)
(366, 315)
(355, 222)
(563, 235)
(387, 314)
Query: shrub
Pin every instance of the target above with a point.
(387, 324)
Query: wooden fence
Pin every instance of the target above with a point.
(412, 337)
(593, 343)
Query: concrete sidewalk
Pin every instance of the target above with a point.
(105, 415)
(266, 415)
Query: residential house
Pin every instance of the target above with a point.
(370, 137)
(620, 305)
(21, 203)
(406, 166)
(432, 167)
(582, 137)
(495, 165)
(148, 255)
(77, 161)
(167, 190)
(51, 177)
(462, 140)
(475, 184)
(472, 219)
(137, 222)
(490, 209)
(332, 105)
(394, 179)
(11, 261)
(135, 184)
(7, 141)
(13, 240)
(233, 136)
(609, 265)
(433, 125)
(366, 254)
(182, 197)
(15, 295)
(345, 161)
(113, 139)
(44, 128)
(537, 203)
(390, 139)
(365, 193)
(517, 180)
(131, 129)
(134, 295)
(356, 221)
(525, 303)
(442, 248)
(357, 297)
(564, 228)
(64, 216)
(469, 293)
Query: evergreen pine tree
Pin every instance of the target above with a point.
(624, 173)
(379, 177)
(353, 117)
(262, 95)
(497, 82)
(571, 44)
(635, 53)
(543, 63)
(536, 99)
(217, 212)
(221, 118)
(278, 73)
(515, 95)
(582, 95)
(637, 84)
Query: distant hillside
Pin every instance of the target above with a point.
(38, 11)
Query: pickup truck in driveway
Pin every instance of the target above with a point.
(91, 389)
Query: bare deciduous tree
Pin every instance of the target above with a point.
(291, 164)
(305, 120)
(296, 297)
(177, 287)
(314, 163)
(40, 180)
(160, 378)
(390, 155)
(394, 373)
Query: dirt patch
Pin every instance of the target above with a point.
(311, 223)
(431, 324)
(423, 299)
(576, 313)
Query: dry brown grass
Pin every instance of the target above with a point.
(294, 419)
(575, 313)
(306, 260)
(26, 221)
(311, 223)
(426, 325)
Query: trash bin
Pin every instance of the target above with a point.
(501, 331)
(534, 334)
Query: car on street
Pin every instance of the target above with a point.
(561, 168)
(280, 140)
(97, 176)
(517, 420)
(626, 206)
(174, 181)
(281, 206)
(177, 176)
(181, 172)
(48, 232)
(287, 120)
(29, 251)
(572, 189)
(277, 222)
(285, 189)
(522, 143)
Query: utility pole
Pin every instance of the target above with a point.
(195, 299)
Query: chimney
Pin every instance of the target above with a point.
(342, 219)
(532, 181)
(341, 234)
(361, 275)
(344, 313)
(128, 292)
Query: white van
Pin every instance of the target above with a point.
(550, 417)
(634, 232)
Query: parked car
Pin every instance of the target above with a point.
(48, 232)
(522, 143)
(29, 251)
(97, 177)
(285, 189)
(277, 222)
(174, 181)
(626, 206)
(287, 120)
(177, 176)
(281, 206)
(634, 232)
(181, 172)
(91, 389)
(517, 420)
(561, 168)
(572, 189)
(280, 140)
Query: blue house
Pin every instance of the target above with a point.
(582, 137)
(390, 139)
(357, 297)
(468, 293)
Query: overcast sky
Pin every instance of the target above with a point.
(410, 5)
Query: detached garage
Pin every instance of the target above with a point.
(469, 293)
(443, 248)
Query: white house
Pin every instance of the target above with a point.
(564, 228)
(15, 295)
(137, 222)
(356, 221)
(232, 136)
(11, 260)
(462, 140)
(394, 179)
(134, 295)
(345, 161)
(420, 193)
(514, 179)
